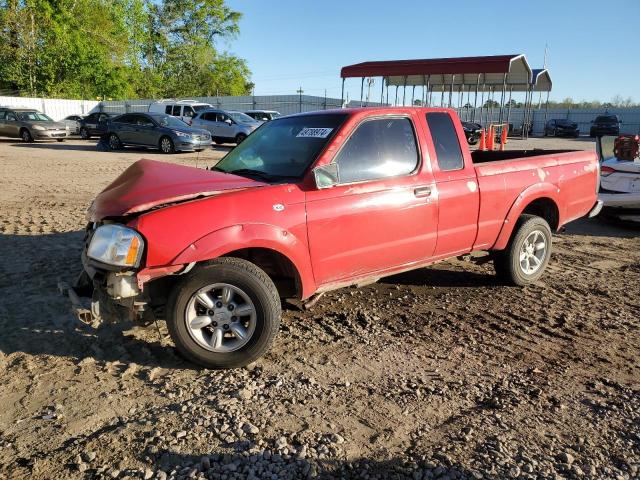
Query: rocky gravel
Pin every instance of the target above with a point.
(440, 373)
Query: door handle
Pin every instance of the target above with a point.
(422, 191)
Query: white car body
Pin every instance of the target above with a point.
(620, 187)
(185, 110)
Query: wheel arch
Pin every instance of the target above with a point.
(284, 257)
(540, 200)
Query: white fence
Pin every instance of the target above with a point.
(54, 107)
(630, 117)
(288, 104)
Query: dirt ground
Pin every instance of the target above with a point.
(437, 373)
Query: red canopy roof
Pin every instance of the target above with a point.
(433, 66)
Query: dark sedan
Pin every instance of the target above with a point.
(94, 124)
(472, 131)
(560, 127)
(155, 130)
(605, 125)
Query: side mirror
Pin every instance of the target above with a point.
(228, 121)
(326, 176)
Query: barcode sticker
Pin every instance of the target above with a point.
(309, 132)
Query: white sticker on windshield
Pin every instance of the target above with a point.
(308, 132)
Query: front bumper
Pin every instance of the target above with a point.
(190, 145)
(50, 134)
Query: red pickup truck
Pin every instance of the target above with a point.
(314, 202)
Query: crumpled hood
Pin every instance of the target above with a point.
(148, 183)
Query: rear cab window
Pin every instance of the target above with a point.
(446, 141)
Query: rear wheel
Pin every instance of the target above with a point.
(240, 138)
(60, 139)
(114, 142)
(166, 145)
(527, 254)
(225, 314)
(26, 136)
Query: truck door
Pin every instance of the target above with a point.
(380, 215)
(455, 177)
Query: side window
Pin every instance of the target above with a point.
(176, 111)
(167, 109)
(446, 141)
(3, 114)
(123, 119)
(188, 112)
(143, 121)
(11, 116)
(379, 148)
(209, 116)
(221, 117)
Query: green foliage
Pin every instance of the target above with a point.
(119, 48)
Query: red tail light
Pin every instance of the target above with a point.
(606, 171)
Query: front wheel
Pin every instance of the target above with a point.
(60, 139)
(527, 254)
(240, 138)
(26, 136)
(166, 145)
(226, 314)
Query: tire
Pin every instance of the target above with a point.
(114, 142)
(26, 136)
(166, 145)
(508, 263)
(60, 139)
(218, 141)
(259, 293)
(84, 134)
(240, 138)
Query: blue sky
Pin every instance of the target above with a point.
(592, 45)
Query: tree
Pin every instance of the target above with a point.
(119, 48)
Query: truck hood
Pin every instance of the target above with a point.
(150, 184)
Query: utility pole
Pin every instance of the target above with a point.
(300, 92)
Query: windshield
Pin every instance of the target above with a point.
(564, 122)
(169, 121)
(241, 117)
(283, 148)
(34, 117)
(606, 119)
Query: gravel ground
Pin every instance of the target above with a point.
(437, 373)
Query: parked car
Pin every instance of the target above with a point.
(472, 132)
(620, 179)
(315, 202)
(94, 124)
(185, 110)
(30, 124)
(263, 115)
(226, 126)
(605, 125)
(73, 122)
(156, 130)
(560, 127)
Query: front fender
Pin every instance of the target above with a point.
(531, 193)
(237, 237)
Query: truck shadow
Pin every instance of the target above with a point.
(36, 319)
(443, 275)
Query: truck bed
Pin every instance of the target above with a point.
(479, 156)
